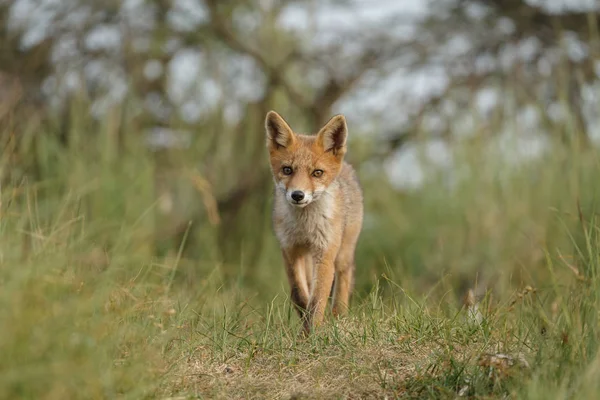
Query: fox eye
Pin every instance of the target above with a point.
(317, 173)
(287, 171)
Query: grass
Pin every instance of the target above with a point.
(89, 310)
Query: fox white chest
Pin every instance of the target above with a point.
(310, 226)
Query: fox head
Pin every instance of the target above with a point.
(304, 166)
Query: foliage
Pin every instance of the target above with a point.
(89, 309)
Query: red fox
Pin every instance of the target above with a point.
(317, 215)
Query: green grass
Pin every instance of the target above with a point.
(89, 310)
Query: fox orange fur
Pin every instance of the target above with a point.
(317, 215)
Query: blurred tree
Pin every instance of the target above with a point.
(510, 49)
(195, 78)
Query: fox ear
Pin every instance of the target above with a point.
(333, 135)
(279, 133)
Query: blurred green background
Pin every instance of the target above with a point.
(132, 149)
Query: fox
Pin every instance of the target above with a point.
(317, 215)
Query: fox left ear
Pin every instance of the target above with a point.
(333, 135)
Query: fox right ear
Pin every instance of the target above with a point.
(279, 133)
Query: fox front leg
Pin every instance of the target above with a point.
(322, 287)
(344, 269)
(295, 265)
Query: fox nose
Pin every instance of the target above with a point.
(297, 195)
